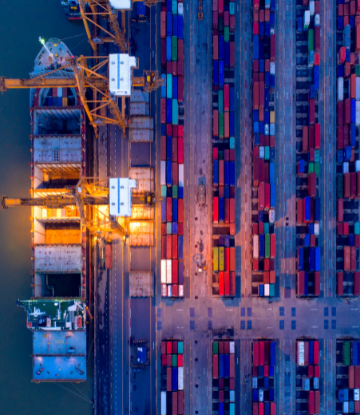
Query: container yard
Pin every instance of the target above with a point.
(263, 377)
(263, 149)
(308, 143)
(223, 147)
(347, 376)
(347, 156)
(172, 150)
(223, 377)
(307, 377)
(172, 377)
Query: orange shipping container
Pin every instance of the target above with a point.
(357, 38)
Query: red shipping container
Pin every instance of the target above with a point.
(232, 259)
(356, 407)
(175, 174)
(174, 68)
(353, 86)
(261, 196)
(305, 139)
(255, 408)
(169, 67)
(255, 265)
(340, 283)
(180, 50)
(347, 111)
(316, 371)
(168, 246)
(163, 359)
(311, 136)
(180, 212)
(180, 150)
(266, 352)
(256, 4)
(261, 353)
(174, 264)
(215, 47)
(311, 403)
(261, 94)
(169, 347)
(256, 353)
(340, 9)
(353, 258)
(221, 283)
(221, 349)
(227, 283)
(256, 94)
(272, 277)
(227, 259)
(357, 241)
(163, 111)
(221, 172)
(317, 136)
(345, 228)
(312, 184)
(221, 7)
(272, 408)
(215, 123)
(180, 360)
(180, 89)
(163, 248)
(180, 403)
(232, 55)
(174, 403)
(347, 264)
(311, 111)
(266, 371)
(163, 147)
(226, 97)
(266, 264)
(358, 184)
(356, 283)
(312, 155)
(317, 59)
(169, 129)
(310, 371)
(226, 18)
(340, 137)
(168, 379)
(357, 38)
(317, 283)
(272, 42)
(300, 283)
(273, 245)
(267, 196)
(226, 124)
(168, 209)
(317, 399)
(266, 278)
(351, 377)
(232, 290)
(215, 366)
(316, 352)
(261, 408)
(174, 149)
(180, 68)
(256, 171)
(221, 396)
(353, 185)
(347, 191)
(174, 248)
(215, 5)
(267, 15)
(255, 28)
(347, 68)
(232, 210)
(232, 23)
(215, 209)
(312, 240)
(357, 377)
(342, 54)
(255, 228)
(232, 365)
(215, 22)
(163, 347)
(299, 211)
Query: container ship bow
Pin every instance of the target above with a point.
(56, 312)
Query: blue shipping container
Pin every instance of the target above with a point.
(351, 240)
(306, 242)
(216, 173)
(261, 370)
(226, 54)
(307, 214)
(174, 379)
(221, 365)
(180, 26)
(227, 173)
(354, 354)
(232, 98)
(271, 395)
(316, 77)
(216, 73)
(301, 167)
(317, 210)
(340, 71)
(232, 173)
(168, 147)
(340, 23)
(272, 195)
(180, 247)
(226, 192)
(299, 24)
(168, 48)
(267, 406)
(221, 48)
(272, 173)
(169, 172)
(175, 210)
(353, 135)
(272, 354)
(255, 396)
(163, 210)
(353, 110)
(174, 228)
(175, 87)
(340, 156)
(140, 8)
(163, 86)
(317, 258)
(261, 290)
(168, 110)
(273, 6)
(267, 81)
(347, 153)
(271, 371)
(262, 246)
(311, 352)
(221, 408)
(261, 30)
(168, 24)
(221, 75)
(221, 209)
(174, 25)
(256, 47)
(227, 366)
(300, 255)
(180, 192)
(181, 272)
(256, 115)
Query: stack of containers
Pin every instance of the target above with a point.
(223, 104)
(263, 373)
(223, 374)
(172, 377)
(224, 265)
(347, 160)
(308, 374)
(172, 149)
(263, 227)
(347, 376)
(308, 151)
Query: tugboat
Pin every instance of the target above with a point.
(71, 9)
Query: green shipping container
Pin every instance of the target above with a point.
(267, 245)
(346, 353)
(266, 227)
(216, 259)
(232, 143)
(168, 228)
(221, 23)
(267, 153)
(180, 347)
(163, 191)
(221, 101)
(174, 7)
(232, 405)
(174, 192)
(221, 125)
(174, 360)
(317, 169)
(232, 7)
(174, 48)
(357, 228)
(169, 85)
(340, 186)
(357, 70)
(310, 40)
(226, 34)
(317, 156)
(215, 348)
(272, 290)
(311, 168)
(174, 111)
(221, 258)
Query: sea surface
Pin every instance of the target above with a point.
(21, 24)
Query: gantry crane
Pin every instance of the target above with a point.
(91, 10)
(94, 78)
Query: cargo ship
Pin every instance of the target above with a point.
(71, 9)
(56, 311)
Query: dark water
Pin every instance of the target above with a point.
(21, 23)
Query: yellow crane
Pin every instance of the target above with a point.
(91, 10)
(88, 77)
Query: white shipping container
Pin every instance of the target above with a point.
(144, 177)
(272, 68)
(232, 347)
(163, 403)
(317, 19)
(316, 383)
(306, 19)
(232, 396)
(163, 173)
(256, 246)
(272, 129)
(316, 229)
(168, 271)
(357, 88)
(266, 129)
(181, 291)
(58, 258)
(300, 353)
(181, 378)
(181, 8)
(345, 167)
(356, 394)
(254, 383)
(266, 290)
(357, 165)
(261, 152)
(163, 271)
(169, 290)
(357, 112)
(345, 407)
(340, 89)
(181, 175)
(312, 7)
(272, 215)
(163, 290)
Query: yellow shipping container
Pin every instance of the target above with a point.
(216, 259)
(272, 117)
(221, 258)
(64, 102)
(62, 237)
